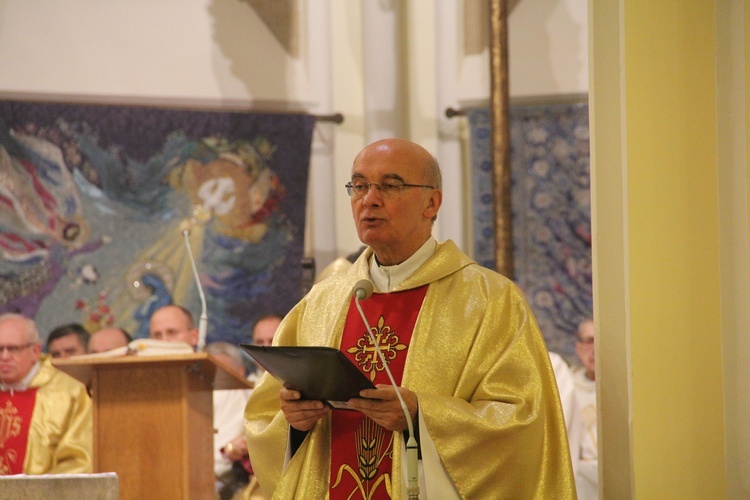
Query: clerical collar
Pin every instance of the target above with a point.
(24, 383)
(386, 278)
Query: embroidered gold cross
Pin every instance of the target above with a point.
(365, 353)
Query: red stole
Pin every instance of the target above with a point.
(361, 450)
(15, 416)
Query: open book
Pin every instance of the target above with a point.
(143, 347)
(321, 373)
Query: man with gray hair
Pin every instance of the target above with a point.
(47, 415)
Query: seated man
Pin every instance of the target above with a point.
(236, 449)
(108, 339)
(566, 388)
(587, 476)
(263, 332)
(173, 323)
(229, 407)
(67, 341)
(47, 415)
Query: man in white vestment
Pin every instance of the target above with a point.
(587, 479)
(567, 388)
(229, 406)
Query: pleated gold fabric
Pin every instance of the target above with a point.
(479, 367)
(61, 431)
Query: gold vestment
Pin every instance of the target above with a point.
(60, 434)
(481, 372)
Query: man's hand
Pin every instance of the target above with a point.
(301, 414)
(236, 449)
(383, 407)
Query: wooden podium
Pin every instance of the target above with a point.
(153, 420)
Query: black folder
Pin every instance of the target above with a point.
(321, 373)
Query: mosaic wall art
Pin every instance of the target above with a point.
(93, 199)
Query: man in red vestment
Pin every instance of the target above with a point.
(45, 415)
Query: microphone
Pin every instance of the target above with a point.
(203, 321)
(362, 291)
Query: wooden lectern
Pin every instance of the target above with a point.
(153, 420)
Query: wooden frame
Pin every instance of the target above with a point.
(499, 105)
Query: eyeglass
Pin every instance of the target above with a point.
(14, 349)
(357, 189)
(585, 340)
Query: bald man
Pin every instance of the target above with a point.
(107, 339)
(587, 476)
(173, 324)
(464, 348)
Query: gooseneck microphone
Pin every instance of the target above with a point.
(203, 321)
(362, 291)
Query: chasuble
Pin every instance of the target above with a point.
(56, 415)
(478, 364)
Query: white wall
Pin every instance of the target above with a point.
(547, 53)
(166, 49)
(548, 44)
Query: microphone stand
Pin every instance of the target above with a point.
(412, 449)
(203, 321)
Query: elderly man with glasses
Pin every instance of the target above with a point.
(45, 415)
(465, 351)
